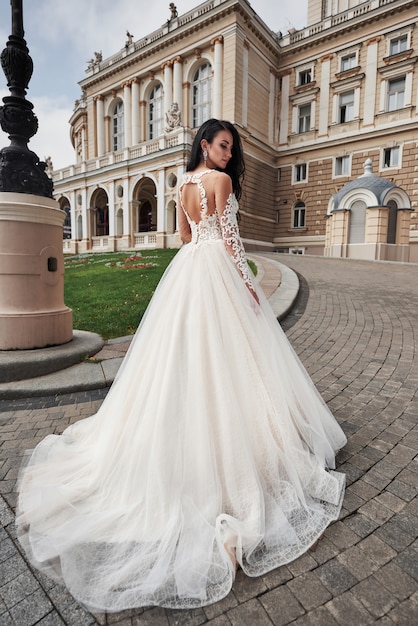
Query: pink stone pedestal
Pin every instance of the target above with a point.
(32, 309)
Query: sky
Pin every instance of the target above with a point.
(62, 37)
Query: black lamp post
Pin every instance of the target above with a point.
(21, 171)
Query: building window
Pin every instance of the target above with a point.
(299, 215)
(398, 44)
(300, 173)
(342, 166)
(155, 112)
(305, 77)
(391, 157)
(201, 95)
(346, 107)
(396, 94)
(348, 62)
(117, 122)
(304, 118)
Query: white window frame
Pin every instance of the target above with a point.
(201, 94)
(304, 122)
(391, 157)
(305, 76)
(300, 173)
(299, 215)
(155, 112)
(352, 57)
(342, 165)
(398, 43)
(118, 128)
(395, 98)
(346, 106)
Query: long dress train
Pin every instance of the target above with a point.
(211, 445)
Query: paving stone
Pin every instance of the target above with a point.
(251, 612)
(277, 577)
(325, 551)
(213, 610)
(374, 596)
(309, 590)
(341, 535)
(347, 609)
(156, 616)
(398, 582)
(393, 533)
(378, 550)
(402, 490)
(317, 617)
(183, 617)
(406, 612)
(245, 588)
(361, 525)
(357, 562)
(52, 619)
(336, 577)
(408, 561)
(281, 606)
(31, 609)
(18, 589)
(390, 501)
(303, 564)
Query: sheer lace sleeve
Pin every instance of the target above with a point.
(232, 239)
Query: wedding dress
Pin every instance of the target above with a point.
(212, 447)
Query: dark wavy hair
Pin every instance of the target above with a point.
(236, 166)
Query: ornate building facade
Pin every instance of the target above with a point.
(312, 107)
(133, 127)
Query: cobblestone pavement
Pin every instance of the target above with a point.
(355, 327)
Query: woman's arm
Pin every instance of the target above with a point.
(224, 199)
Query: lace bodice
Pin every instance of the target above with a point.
(213, 226)
(209, 226)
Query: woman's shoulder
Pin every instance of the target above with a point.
(222, 179)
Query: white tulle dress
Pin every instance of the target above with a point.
(212, 446)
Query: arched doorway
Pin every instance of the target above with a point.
(392, 219)
(357, 224)
(99, 213)
(145, 206)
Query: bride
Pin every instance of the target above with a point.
(212, 449)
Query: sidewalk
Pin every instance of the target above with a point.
(355, 330)
(279, 283)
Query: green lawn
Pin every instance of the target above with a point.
(109, 293)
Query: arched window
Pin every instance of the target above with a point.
(201, 95)
(67, 223)
(117, 127)
(155, 112)
(299, 215)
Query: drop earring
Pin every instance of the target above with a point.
(205, 156)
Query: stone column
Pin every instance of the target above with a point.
(284, 108)
(218, 76)
(177, 83)
(324, 95)
(127, 114)
(370, 81)
(135, 112)
(168, 85)
(100, 125)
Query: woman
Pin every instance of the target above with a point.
(212, 448)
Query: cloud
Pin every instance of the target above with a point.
(53, 135)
